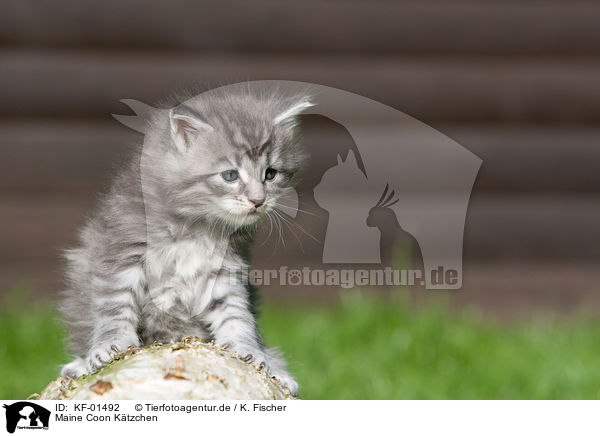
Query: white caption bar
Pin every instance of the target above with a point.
(285, 417)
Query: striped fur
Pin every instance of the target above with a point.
(156, 260)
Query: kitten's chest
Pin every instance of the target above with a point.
(185, 260)
(184, 276)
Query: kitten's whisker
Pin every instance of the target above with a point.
(297, 209)
(293, 233)
(270, 229)
(280, 227)
(289, 221)
(277, 225)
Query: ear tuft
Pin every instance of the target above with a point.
(290, 114)
(185, 128)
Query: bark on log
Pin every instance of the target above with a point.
(189, 369)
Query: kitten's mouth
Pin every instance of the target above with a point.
(255, 214)
(261, 210)
(249, 217)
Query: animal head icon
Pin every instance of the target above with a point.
(343, 176)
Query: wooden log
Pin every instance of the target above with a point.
(185, 370)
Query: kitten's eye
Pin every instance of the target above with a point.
(270, 173)
(230, 175)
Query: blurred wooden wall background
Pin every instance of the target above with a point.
(516, 82)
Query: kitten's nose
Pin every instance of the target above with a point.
(257, 202)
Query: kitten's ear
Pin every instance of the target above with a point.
(339, 159)
(185, 128)
(288, 117)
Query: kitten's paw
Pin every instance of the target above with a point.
(268, 361)
(286, 380)
(97, 358)
(75, 369)
(251, 355)
(277, 369)
(101, 354)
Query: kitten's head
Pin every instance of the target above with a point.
(229, 158)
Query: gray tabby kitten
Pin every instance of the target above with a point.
(156, 260)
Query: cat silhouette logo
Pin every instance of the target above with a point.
(403, 170)
(26, 415)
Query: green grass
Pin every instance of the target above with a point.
(31, 347)
(370, 348)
